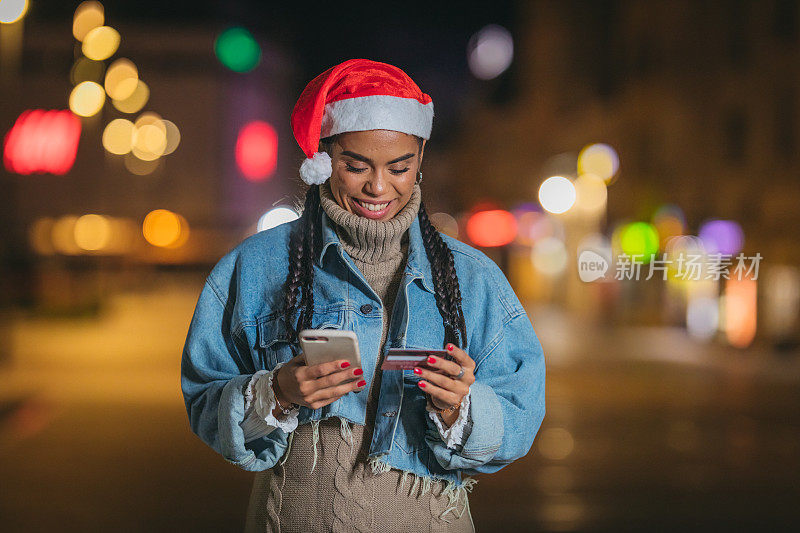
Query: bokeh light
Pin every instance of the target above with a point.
(12, 10)
(257, 150)
(237, 49)
(101, 43)
(702, 317)
(173, 136)
(92, 232)
(88, 16)
(150, 137)
(722, 236)
(40, 235)
(669, 222)
(679, 251)
(136, 101)
(165, 229)
(550, 256)
(490, 52)
(87, 99)
(495, 227)
(63, 235)
(122, 79)
(639, 240)
(42, 141)
(534, 226)
(555, 443)
(598, 159)
(445, 223)
(118, 136)
(275, 217)
(557, 194)
(591, 194)
(740, 311)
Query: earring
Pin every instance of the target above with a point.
(419, 177)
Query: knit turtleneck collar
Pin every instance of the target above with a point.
(367, 240)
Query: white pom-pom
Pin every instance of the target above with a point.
(317, 169)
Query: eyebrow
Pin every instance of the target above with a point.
(368, 160)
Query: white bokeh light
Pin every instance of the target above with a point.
(702, 317)
(490, 52)
(276, 217)
(557, 194)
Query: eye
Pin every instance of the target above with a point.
(357, 170)
(398, 172)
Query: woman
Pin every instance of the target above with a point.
(338, 448)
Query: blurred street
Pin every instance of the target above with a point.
(645, 429)
(631, 167)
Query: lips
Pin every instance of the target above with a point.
(371, 209)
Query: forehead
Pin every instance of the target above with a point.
(388, 142)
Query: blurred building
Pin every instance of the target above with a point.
(698, 98)
(200, 181)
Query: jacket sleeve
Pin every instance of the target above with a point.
(507, 402)
(214, 375)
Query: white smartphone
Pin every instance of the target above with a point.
(325, 345)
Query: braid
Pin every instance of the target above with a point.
(445, 281)
(303, 245)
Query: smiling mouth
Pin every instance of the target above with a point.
(370, 206)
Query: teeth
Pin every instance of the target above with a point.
(372, 207)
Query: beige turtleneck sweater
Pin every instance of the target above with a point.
(336, 490)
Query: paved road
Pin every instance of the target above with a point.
(645, 430)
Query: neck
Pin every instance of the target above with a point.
(368, 240)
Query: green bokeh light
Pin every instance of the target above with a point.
(639, 239)
(237, 49)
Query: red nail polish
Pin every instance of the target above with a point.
(431, 360)
(361, 383)
(344, 364)
(357, 372)
(417, 370)
(422, 384)
(450, 347)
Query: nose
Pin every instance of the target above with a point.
(377, 183)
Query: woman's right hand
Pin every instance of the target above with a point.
(316, 386)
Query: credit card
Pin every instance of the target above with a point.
(406, 359)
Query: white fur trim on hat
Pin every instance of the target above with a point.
(378, 112)
(317, 169)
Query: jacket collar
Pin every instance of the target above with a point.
(418, 264)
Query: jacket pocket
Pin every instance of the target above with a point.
(410, 436)
(274, 341)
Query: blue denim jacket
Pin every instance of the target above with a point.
(238, 328)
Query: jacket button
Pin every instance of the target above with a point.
(390, 414)
(366, 309)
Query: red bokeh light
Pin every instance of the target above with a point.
(257, 150)
(495, 227)
(42, 141)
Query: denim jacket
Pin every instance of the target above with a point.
(238, 329)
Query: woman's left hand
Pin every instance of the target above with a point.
(440, 383)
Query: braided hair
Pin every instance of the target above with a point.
(304, 245)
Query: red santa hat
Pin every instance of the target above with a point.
(356, 95)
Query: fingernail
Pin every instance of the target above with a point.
(361, 383)
(423, 384)
(357, 372)
(450, 347)
(431, 360)
(417, 370)
(344, 364)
